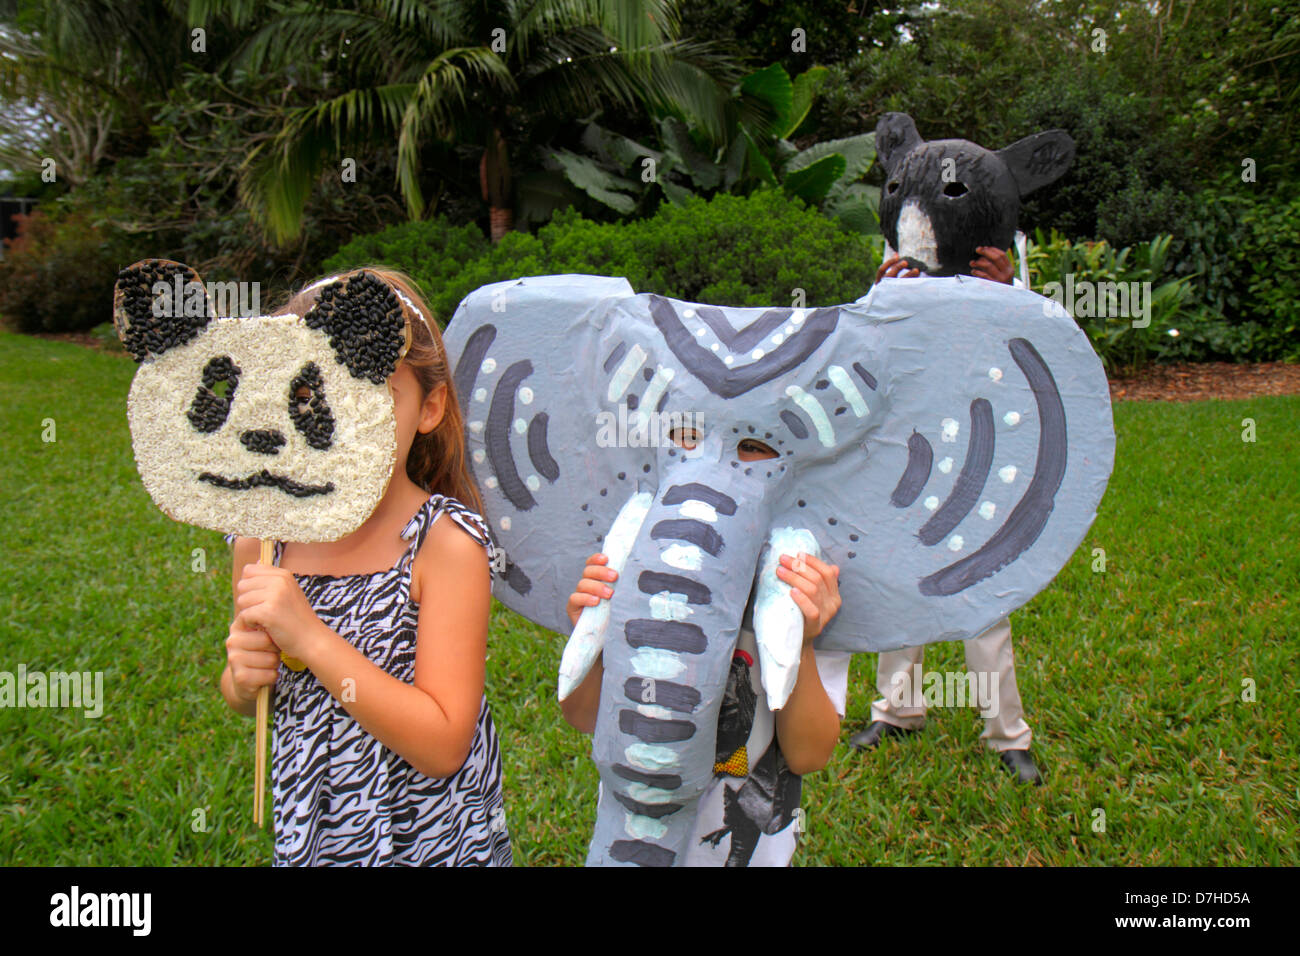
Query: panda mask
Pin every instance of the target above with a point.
(945, 198)
(271, 426)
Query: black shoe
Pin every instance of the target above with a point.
(869, 737)
(1022, 765)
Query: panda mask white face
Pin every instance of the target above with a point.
(272, 426)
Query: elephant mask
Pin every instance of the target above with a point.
(944, 441)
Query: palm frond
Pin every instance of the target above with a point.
(434, 103)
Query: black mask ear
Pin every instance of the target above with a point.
(153, 312)
(1039, 159)
(365, 324)
(896, 135)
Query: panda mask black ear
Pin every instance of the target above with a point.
(367, 329)
(1039, 159)
(159, 305)
(896, 136)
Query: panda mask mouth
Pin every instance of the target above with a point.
(264, 479)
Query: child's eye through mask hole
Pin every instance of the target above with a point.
(308, 409)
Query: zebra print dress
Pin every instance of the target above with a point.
(343, 798)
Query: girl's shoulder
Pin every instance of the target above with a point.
(462, 516)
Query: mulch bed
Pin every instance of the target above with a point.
(1183, 382)
(1188, 382)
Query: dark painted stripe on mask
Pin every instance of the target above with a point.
(721, 503)
(641, 853)
(730, 382)
(680, 636)
(654, 731)
(665, 693)
(741, 340)
(612, 359)
(539, 453)
(652, 582)
(655, 810)
(496, 438)
(688, 529)
(974, 473)
(867, 378)
(920, 456)
(470, 359)
(794, 423)
(664, 781)
(519, 582)
(1029, 517)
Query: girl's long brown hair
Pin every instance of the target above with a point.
(437, 460)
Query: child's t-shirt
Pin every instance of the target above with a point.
(748, 815)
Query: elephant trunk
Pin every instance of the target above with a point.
(674, 621)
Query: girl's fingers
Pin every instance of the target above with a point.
(809, 608)
(600, 590)
(817, 568)
(248, 640)
(597, 572)
(259, 660)
(805, 584)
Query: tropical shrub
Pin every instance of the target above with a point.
(58, 274)
(731, 250)
(1090, 279)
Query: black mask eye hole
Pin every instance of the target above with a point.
(211, 405)
(892, 187)
(686, 438)
(751, 449)
(308, 410)
(954, 190)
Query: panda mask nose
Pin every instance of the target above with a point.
(266, 441)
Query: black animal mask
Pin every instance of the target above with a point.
(945, 198)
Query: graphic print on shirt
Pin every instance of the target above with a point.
(766, 801)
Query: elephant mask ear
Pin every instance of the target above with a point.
(945, 441)
(896, 136)
(1040, 159)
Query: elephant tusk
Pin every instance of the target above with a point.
(778, 622)
(588, 637)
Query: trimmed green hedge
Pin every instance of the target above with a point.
(731, 250)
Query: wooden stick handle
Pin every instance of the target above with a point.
(260, 719)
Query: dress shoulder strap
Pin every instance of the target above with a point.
(423, 520)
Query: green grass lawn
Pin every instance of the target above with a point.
(1132, 678)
